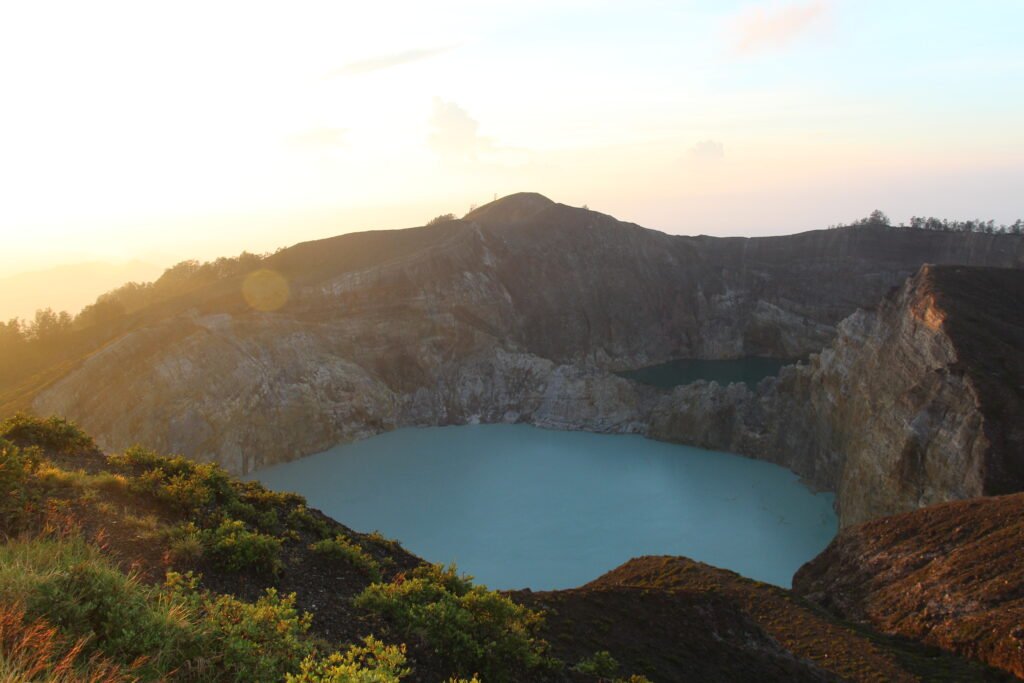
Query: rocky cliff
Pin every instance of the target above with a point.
(918, 400)
(518, 313)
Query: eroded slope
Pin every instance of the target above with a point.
(516, 313)
(917, 401)
(950, 575)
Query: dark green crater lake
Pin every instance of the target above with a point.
(522, 507)
(674, 373)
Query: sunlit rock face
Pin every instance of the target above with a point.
(910, 405)
(520, 312)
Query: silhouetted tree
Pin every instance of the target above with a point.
(13, 347)
(878, 218)
(103, 312)
(988, 227)
(49, 326)
(443, 218)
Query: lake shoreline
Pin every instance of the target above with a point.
(521, 506)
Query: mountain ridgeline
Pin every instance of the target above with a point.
(524, 309)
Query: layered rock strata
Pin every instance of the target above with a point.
(904, 409)
(522, 311)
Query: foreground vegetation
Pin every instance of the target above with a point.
(138, 567)
(73, 612)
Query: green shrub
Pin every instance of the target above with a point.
(301, 518)
(263, 519)
(371, 662)
(34, 650)
(71, 586)
(52, 433)
(95, 600)
(17, 466)
(472, 629)
(182, 633)
(185, 493)
(140, 458)
(256, 494)
(382, 541)
(137, 457)
(601, 665)
(233, 547)
(185, 543)
(267, 520)
(186, 486)
(253, 642)
(340, 549)
(236, 509)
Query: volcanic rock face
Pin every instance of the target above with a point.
(904, 417)
(519, 312)
(253, 390)
(902, 410)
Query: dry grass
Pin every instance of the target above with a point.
(33, 650)
(949, 575)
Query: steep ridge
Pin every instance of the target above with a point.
(917, 401)
(515, 313)
(798, 627)
(985, 322)
(949, 575)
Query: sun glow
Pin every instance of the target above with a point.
(265, 290)
(196, 129)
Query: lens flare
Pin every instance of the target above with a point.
(265, 290)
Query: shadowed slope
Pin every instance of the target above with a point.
(796, 626)
(985, 319)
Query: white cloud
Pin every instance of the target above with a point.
(708, 150)
(364, 66)
(454, 133)
(770, 26)
(319, 138)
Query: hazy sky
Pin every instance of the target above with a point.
(164, 130)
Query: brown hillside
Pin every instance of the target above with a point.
(950, 575)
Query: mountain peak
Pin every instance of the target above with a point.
(514, 208)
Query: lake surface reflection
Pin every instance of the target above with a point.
(517, 506)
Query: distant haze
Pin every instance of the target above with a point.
(281, 122)
(68, 287)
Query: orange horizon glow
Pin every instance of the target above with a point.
(195, 131)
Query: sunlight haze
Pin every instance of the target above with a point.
(557, 341)
(191, 130)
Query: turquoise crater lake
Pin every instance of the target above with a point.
(521, 507)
